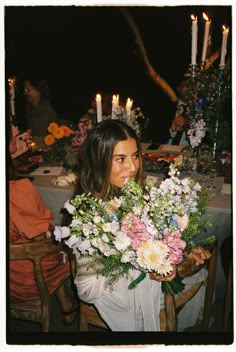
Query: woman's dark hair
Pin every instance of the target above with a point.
(41, 85)
(95, 158)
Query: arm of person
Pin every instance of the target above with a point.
(195, 260)
(22, 145)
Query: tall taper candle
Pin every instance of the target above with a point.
(224, 46)
(128, 106)
(99, 107)
(194, 39)
(206, 37)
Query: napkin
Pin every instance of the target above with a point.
(64, 181)
(47, 171)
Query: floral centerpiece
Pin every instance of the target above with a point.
(207, 95)
(58, 138)
(135, 119)
(145, 228)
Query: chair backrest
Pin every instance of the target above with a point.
(37, 310)
(172, 303)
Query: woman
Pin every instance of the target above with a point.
(30, 220)
(39, 111)
(113, 154)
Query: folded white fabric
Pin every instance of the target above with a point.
(64, 181)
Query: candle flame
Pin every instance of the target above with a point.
(193, 17)
(205, 16)
(12, 81)
(224, 28)
(98, 97)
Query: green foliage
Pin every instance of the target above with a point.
(196, 224)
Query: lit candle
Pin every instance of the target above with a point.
(224, 46)
(99, 107)
(114, 106)
(194, 39)
(117, 100)
(11, 82)
(206, 37)
(128, 106)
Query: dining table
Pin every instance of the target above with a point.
(219, 209)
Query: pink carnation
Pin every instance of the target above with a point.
(135, 230)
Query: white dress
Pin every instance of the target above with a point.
(123, 309)
(137, 309)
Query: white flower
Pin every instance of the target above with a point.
(84, 245)
(127, 257)
(152, 254)
(105, 238)
(106, 227)
(182, 221)
(87, 229)
(75, 222)
(72, 241)
(61, 232)
(70, 208)
(122, 241)
(97, 219)
(115, 226)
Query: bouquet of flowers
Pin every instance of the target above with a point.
(145, 228)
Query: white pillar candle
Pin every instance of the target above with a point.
(224, 46)
(99, 107)
(206, 37)
(194, 40)
(128, 106)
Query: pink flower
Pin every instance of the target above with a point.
(173, 240)
(135, 230)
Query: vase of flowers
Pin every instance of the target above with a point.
(58, 141)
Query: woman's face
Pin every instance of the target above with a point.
(125, 162)
(32, 94)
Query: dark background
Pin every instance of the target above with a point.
(82, 51)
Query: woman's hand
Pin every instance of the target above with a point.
(169, 277)
(199, 254)
(195, 260)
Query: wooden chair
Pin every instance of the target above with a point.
(36, 310)
(172, 304)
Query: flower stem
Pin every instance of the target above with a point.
(134, 283)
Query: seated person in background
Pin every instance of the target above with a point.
(114, 154)
(177, 128)
(39, 112)
(29, 220)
